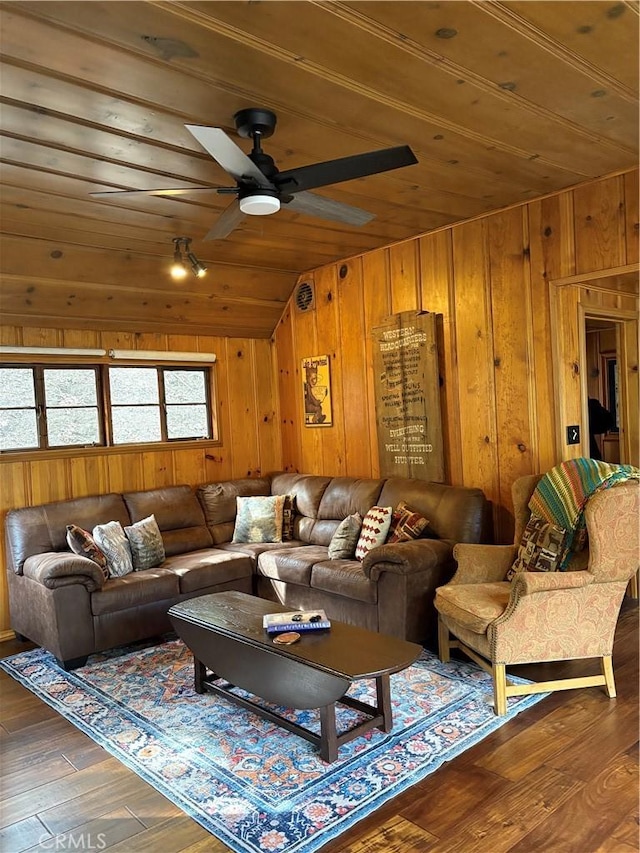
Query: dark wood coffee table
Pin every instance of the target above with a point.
(224, 631)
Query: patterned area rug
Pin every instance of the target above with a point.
(253, 785)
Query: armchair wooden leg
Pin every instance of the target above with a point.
(499, 689)
(444, 651)
(607, 671)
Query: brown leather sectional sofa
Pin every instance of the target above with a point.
(61, 601)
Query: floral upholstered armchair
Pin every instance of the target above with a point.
(539, 615)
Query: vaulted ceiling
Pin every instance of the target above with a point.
(500, 101)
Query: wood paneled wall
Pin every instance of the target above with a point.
(248, 421)
(489, 279)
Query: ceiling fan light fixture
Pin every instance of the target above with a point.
(259, 204)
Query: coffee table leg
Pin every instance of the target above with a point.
(199, 675)
(383, 689)
(328, 733)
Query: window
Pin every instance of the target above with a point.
(47, 407)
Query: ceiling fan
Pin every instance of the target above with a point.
(262, 188)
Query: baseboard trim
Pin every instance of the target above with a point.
(7, 635)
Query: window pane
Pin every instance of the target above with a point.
(133, 385)
(72, 426)
(187, 422)
(70, 388)
(135, 424)
(18, 429)
(16, 387)
(184, 386)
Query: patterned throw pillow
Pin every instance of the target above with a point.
(541, 549)
(111, 540)
(374, 530)
(288, 510)
(344, 540)
(83, 544)
(405, 524)
(145, 541)
(259, 519)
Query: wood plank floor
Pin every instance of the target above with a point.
(560, 778)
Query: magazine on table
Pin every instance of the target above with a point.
(295, 620)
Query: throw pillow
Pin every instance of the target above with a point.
(288, 510)
(259, 519)
(374, 530)
(83, 544)
(111, 540)
(145, 541)
(405, 524)
(344, 540)
(541, 549)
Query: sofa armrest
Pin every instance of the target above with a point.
(528, 583)
(482, 563)
(54, 569)
(403, 558)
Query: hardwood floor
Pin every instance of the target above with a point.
(560, 778)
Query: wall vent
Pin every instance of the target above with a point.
(305, 298)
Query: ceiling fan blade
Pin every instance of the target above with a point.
(229, 219)
(166, 192)
(225, 152)
(327, 208)
(345, 169)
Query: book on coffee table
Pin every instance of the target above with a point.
(295, 620)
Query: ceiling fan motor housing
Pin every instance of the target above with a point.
(259, 202)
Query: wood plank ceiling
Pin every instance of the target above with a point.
(500, 101)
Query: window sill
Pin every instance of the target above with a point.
(68, 452)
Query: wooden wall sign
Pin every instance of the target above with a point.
(407, 390)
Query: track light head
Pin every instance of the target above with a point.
(179, 269)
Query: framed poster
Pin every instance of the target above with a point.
(316, 391)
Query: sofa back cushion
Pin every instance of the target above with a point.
(308, 490)
(41, 529)
(178, 515)
(218, 500)
(343, 496)
(454, 512)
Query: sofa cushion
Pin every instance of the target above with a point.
(83, 544)
(218, 501)
(347, 495)
(406, 524)
(259, 519)
(134, 590)
(375, 527)
(473, 605)
(541, 549)
(346, 578)
(307, 488)
(344, 540)
(111, 540)
(179, 516)
(292, 565)
(145, 541)
(207, 568)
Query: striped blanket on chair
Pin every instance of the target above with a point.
(561, 495)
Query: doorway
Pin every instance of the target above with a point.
(602, 363)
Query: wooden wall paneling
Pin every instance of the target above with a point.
(632, 216)
(157, 468)
(568, 370)
(188, 466)
(290, 415)
(475, 358)
(630, 440)
(15, 491)
(50, 480)
(403, 268)
(10, 336)
(218, 461)
(35, 337)
(511, 320)
(88, 475)
(437, 296)
(243, 441)
(117, 340)
(376, 281)
(592, 366)
(352, 333)
(125, 472)
(305, 343)
(267, 407)
(600, 225)
(81, 339)
(330, 343)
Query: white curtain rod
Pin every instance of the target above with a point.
(51, 351)
(116, 354)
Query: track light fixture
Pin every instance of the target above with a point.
(179, 269)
